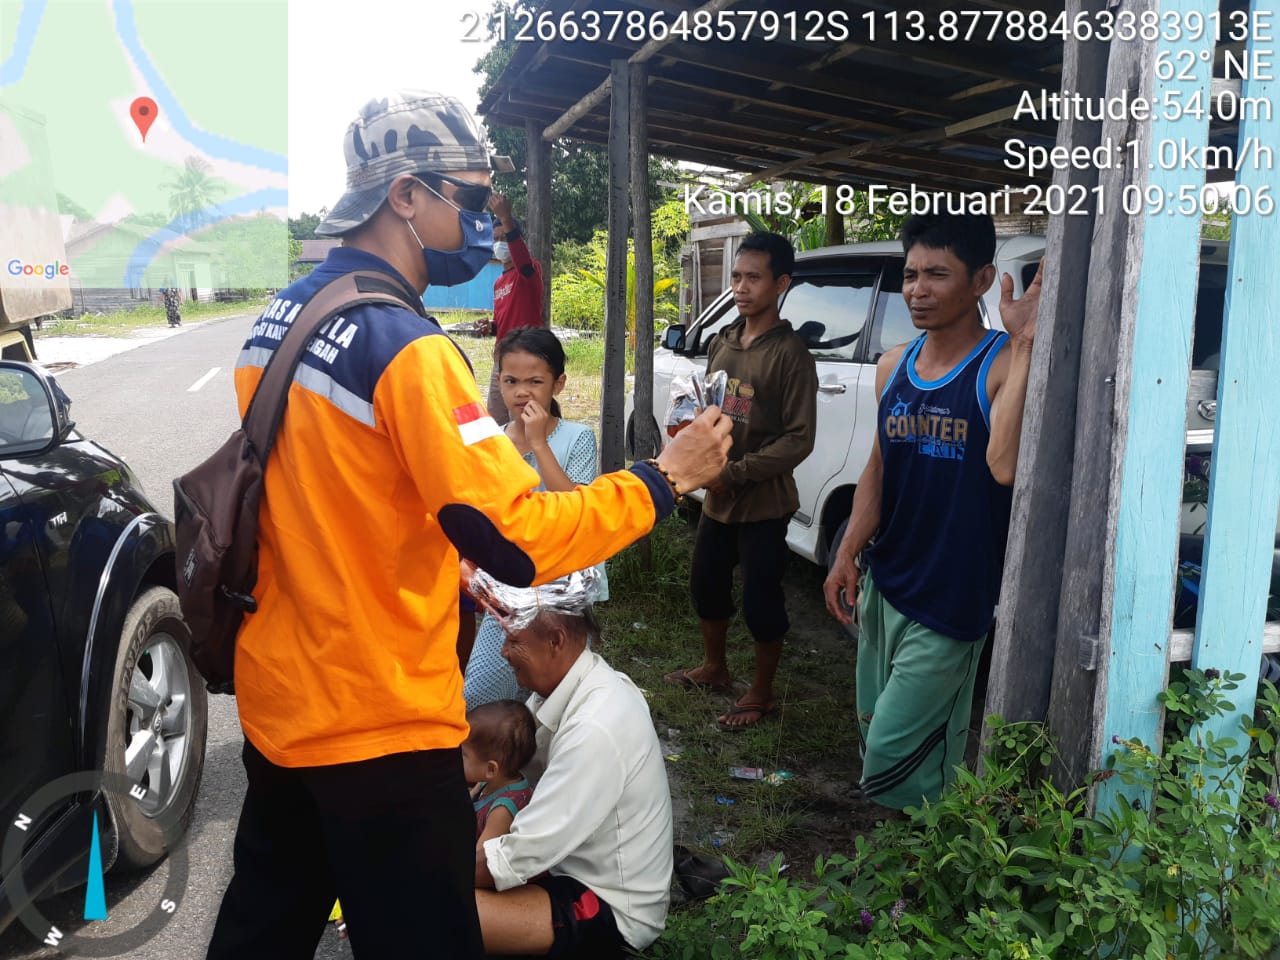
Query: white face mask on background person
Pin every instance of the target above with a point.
(501, 251)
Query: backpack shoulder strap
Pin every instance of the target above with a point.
(266, 408)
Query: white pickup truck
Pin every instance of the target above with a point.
(846, 302)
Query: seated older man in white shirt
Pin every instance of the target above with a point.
(587, 864)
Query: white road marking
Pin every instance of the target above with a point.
(203, 380)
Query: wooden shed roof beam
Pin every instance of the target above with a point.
(906, 139)
(588, 103)
(880, 95)
(781, 105)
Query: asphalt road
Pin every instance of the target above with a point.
(164, 407)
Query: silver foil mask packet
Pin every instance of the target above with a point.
(517, 607)
(692, 394)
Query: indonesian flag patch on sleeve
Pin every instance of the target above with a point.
(475, 424)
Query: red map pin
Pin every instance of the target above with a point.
(143, 110)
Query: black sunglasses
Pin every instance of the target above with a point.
(467, 195)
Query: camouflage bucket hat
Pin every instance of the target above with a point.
(407, 132)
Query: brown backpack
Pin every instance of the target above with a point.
(216, 503)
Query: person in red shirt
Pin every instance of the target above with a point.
(517, 294)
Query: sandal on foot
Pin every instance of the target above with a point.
(681, 678)
(765, 711)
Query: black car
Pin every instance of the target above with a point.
(95, 670)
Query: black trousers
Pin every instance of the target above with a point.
(394, 837)
(760, 548)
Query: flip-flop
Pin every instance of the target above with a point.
(738, 709)
(699, 876)
(681, 678)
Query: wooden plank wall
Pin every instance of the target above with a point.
(1022, 661)
(1244, 485)
(1160, 264)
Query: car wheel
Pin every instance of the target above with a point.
(851, 629)
(156, 729)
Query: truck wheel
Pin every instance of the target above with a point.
(156, 729)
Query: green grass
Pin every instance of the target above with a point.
(122, 323)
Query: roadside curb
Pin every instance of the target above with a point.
(70, 352)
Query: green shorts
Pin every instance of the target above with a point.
(915, 693)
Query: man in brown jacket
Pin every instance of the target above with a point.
(772, 400)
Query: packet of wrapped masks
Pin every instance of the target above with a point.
(692, 394)
(517, 607)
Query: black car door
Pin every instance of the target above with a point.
(36, 735)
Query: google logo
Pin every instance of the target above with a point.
(17, 268)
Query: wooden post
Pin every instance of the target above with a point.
(1153, 371)
(1026, 627)
(539, 225)
(612, 425)
(643, 423)
(1079, 629)
(835, 219)
(1244, 484)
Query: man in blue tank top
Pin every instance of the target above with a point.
(926, 537)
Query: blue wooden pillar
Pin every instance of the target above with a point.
(1244, 485)
(1153, 370)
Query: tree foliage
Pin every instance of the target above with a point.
(802, 218)
(579, 171)
(578, 286)
(192, 192)
(304, 227)
(68, 206)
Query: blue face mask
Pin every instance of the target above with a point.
(448, 268)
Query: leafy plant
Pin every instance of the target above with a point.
(1006, 865)
(800, 213)
(577, 298)
(192, 192)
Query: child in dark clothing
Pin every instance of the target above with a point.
(500, 744)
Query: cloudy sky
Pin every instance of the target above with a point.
(341, 55)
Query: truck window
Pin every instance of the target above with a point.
(716, 318)
(892, 324)
(829, 312)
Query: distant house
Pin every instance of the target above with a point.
(317, 251)
(100, 255)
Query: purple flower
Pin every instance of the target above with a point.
(896, 913)
(1212, 674)
(1272, 801)
(868, 921)
(1115, 738)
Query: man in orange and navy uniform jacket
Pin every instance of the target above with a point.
(385, 471)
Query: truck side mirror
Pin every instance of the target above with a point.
(673, 339)
(34, 410)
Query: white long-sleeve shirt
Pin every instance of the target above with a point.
(601, 811)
